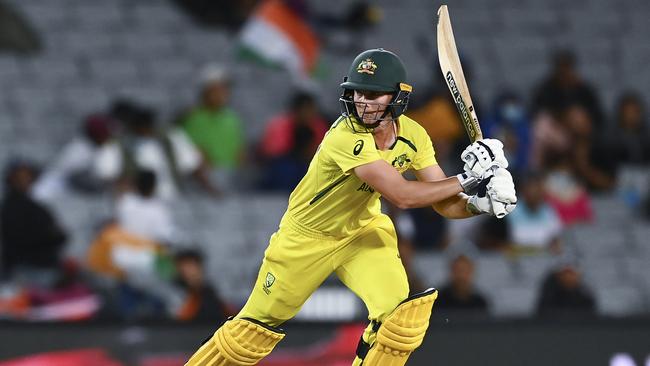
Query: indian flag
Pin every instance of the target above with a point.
(277, 36)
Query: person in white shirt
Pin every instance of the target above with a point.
(171, 156)
(143, 214)
(72, 170)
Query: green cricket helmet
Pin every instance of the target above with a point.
(380, 71)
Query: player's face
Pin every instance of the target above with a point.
(370, 105)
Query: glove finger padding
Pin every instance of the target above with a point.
(496, 147)
(501, 209)
(482, 156)
(502, 187)
(501, 190)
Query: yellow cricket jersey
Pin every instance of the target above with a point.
(330, 199)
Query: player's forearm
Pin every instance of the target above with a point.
(414, 194)
(453, 207)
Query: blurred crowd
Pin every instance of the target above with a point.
(135, 267)
(563, 150)
(563, 147)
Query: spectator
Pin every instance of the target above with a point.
(430, 230)
(567, 195)
(596, 174)
(491, 234)
(290, 141)
(135, 271)
(32, 241)
(73, 168)
(16, 33)
(550, 140)
(436, 112)
(171, 156)
(202, 303)
(569, 138)
(628, 139)
(563, 293)
(114, 252)
(123, 111)
(509, 122)
(459, 293)
(563, 87)
(565, 149)
(534, 224)
(627, 145)
(215, 128)
(143, 214)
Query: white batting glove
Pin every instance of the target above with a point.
(482, 156)
(488, 205)
(502, 194)
(500, 199)
(479, 205)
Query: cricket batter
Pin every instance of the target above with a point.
(334, 222)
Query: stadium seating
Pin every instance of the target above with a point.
(432, 268)
(618, 300)
(514, 301)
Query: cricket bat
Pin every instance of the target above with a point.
(454, 77)
(452, 70)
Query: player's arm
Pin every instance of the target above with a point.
(404, 193)
(454, 207)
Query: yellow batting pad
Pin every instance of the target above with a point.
(402, 331)
(239, 342)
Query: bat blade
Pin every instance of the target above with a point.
(453, 73)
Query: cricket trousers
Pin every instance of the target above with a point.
(298, 260)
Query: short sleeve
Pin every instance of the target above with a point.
(187, 155)
(425, 156)
(349, 150)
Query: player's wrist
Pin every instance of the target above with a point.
(468, 182)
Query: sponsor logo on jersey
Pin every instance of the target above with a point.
(358, 147)
(367, 66)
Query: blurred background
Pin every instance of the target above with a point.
(149, 148)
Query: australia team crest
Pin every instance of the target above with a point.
(400, 161)
(367, 66)
(268, 282)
